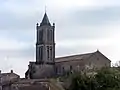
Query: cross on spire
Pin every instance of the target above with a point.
(45, 8)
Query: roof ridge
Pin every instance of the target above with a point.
(73, 55)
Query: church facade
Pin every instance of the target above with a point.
(46, 65)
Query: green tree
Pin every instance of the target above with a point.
(83, 82)
(108, 79)
(105, 79)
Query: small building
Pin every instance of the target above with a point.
(6, 79)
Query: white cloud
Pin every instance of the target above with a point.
(108, 45)
(12, 44)
(110, 40)
(30, 7)
(82, 4)
(11, 56)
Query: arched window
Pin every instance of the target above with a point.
(41, 52)
(48, 52)
(51, 55)
(40, 36)
(48, 35)
(51, 35)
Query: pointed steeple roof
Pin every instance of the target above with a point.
(45, 20)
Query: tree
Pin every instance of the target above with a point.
(105, 79)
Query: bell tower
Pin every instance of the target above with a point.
(45, 45)
(44, 66)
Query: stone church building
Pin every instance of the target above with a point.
(46, 65)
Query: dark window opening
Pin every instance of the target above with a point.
(48, 35)
(105, 65)
(51, 53)
(56, 69)
(40, 35)
(41, 53)
(48, 52)
(37, 53)
(70, 67)
(63, 69)
(97, 58)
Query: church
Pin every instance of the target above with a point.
(47, 66)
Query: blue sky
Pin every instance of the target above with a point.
(81, 26)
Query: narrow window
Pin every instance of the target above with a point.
(98, 59)
(51, 53)
(37, 53)
(70, 68)
(48, 35)
(41, 53)
(63, 69)
(56, 69)
(40, 35)
(48, 52)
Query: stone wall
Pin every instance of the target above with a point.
(84, 62)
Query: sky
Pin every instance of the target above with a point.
(81, 26)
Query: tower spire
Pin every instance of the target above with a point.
(45, 20)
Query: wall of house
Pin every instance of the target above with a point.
(6, 87)
(7, 79)
(42, 71)
(73, 66)
(98, 61)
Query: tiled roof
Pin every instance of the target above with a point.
(33, 87)
(21, 81)
(31, 84)
(78, 57)
(73, 57)
(8, 74)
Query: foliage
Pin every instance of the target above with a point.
(105, 79)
